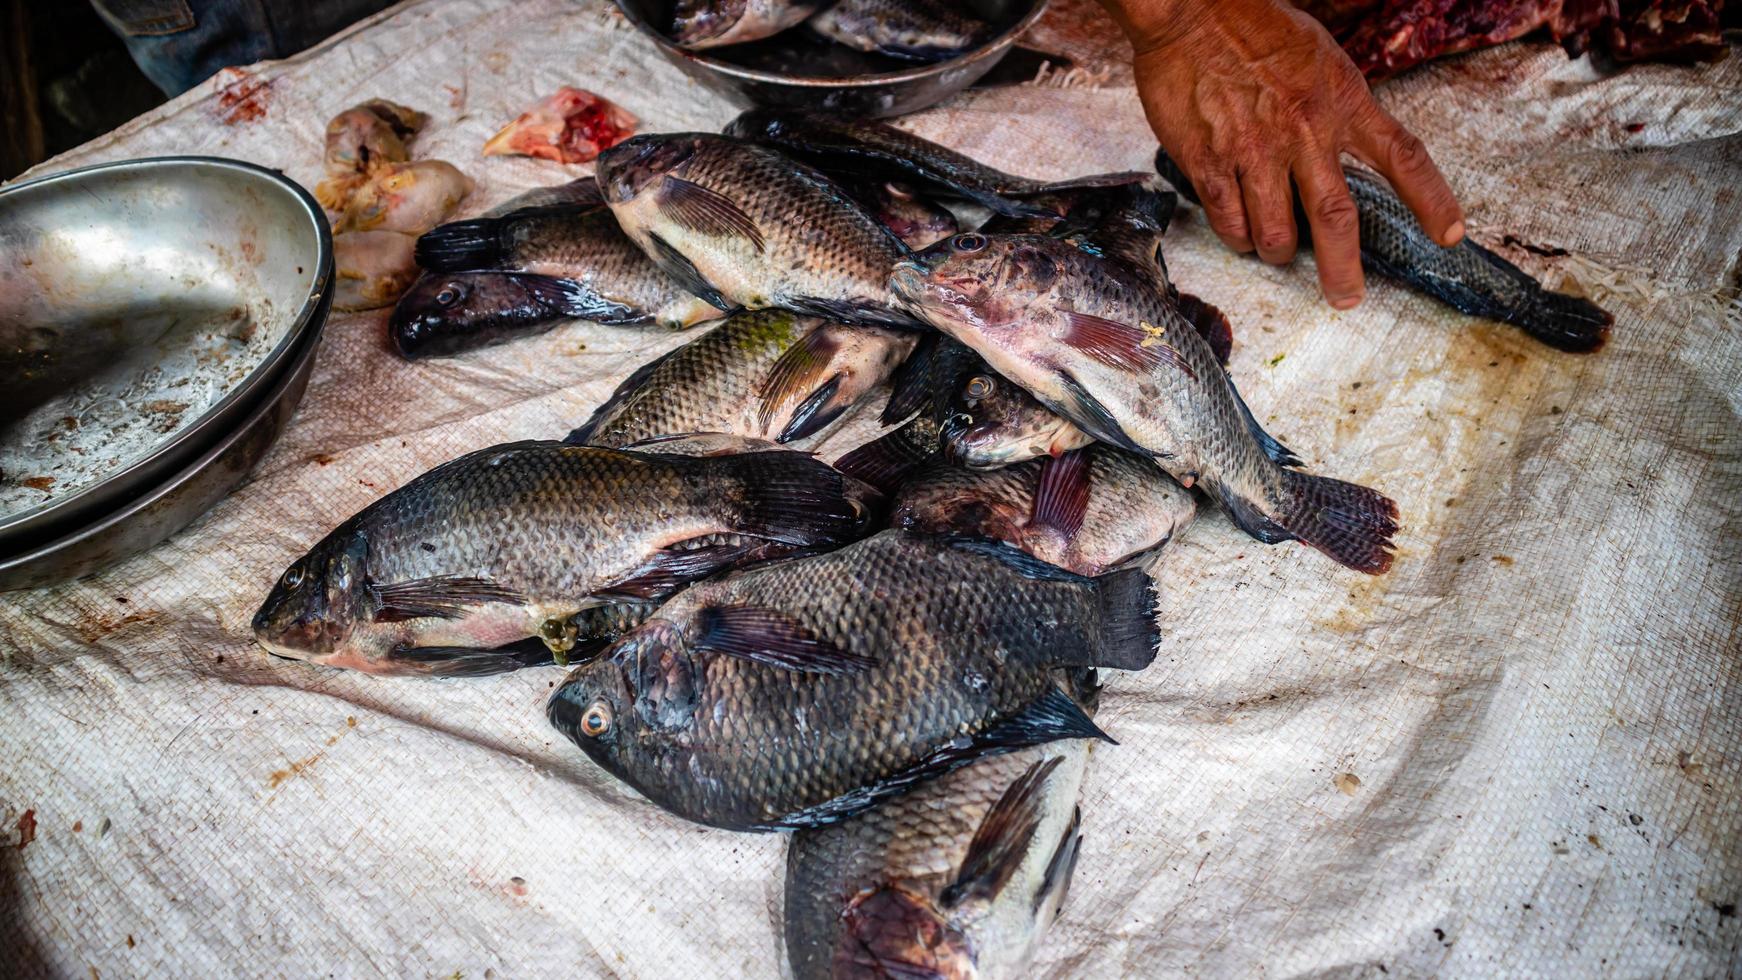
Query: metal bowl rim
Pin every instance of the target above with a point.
(916, 73)
(263, 372)
(268, 403)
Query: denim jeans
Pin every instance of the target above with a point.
(180, 43)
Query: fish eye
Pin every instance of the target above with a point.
(968, 243)
(597, 720)
(981, 386)
(450, 294)
(293, 576)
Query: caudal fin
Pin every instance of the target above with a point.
(1351, 523)
(461, 246)
(793, 498)
(1570, 323)
(1128, 635)
(886, 461)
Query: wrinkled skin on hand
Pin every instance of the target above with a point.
(1247, 95)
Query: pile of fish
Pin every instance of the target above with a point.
(903, 30)
(896, 658)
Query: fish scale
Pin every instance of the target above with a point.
(952, 639)
(814, 249)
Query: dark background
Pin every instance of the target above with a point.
(64, 78)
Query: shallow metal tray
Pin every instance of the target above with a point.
(145, 308)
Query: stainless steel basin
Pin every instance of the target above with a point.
(145, 307)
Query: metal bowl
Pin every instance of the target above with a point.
(186, 495)
(890, 93)
(146, 308)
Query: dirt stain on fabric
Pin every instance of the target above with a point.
(26, 829)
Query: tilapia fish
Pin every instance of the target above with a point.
(958, 879)
(798, 694)
(473, 566)
(1466, 277)
(741, 225)
(1108, 345)
(913, 30)
(840, 144)
(915, 219)
(701, 24)
(550, 255)
(993, 422)
(1088, 510)
(766, 374)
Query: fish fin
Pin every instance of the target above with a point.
(704, 444)
(629, 386)
(570, 297)
(443, 596)
(910, 387)
(1351, 523)
(684, 272)
(865, 312)
(1128, 636)
(774, 639)
(1048, 718)
(1562, 321)
(1061, 500)
(800, 374)
(1278, 453)
(1017, 560)
(1171, 173)
(1128, 223)
(885, 461)
(1055, 884)
(1121, 345)
(1095, 418)
(707, 212)
(1001, 842)
(1119, 178)
(460, 246)
(815, 413)
(474, 662)
(1210, 322)
(667, 570)
(580, 195)
(795, 499)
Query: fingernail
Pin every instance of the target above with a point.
(1348, 302)
(1455, 233)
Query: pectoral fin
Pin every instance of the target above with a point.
(1002, 840)
(707, 212)
(444, 596)
(1121, 345)
(775, 639)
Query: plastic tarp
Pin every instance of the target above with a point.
(1519, 752)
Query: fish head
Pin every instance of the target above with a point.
(628, 168)
(444, 314)
(975, 286)
(621, 707)
(993, 422)
(697, 21)
(315, 607)
(892, 931)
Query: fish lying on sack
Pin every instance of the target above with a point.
(742, 225)
(800, 693)
(867, 148)
(1088, 510)
(957, 879)
(1108, 345)
(765, 374)
(498, 558)
(550, 255)
(1466, 276)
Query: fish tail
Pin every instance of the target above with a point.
(1351, 523)
(1569, 323)
(885, 461)
(461, 246)
(1128, 636)
(792, 498)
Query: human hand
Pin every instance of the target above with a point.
(1244, 95)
